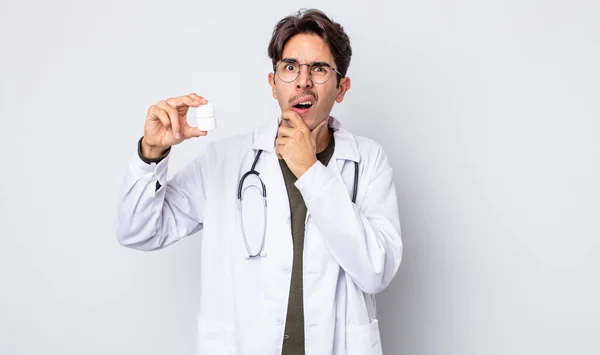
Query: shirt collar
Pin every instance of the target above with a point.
(345, 143)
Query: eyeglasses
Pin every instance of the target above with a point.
(289, 70)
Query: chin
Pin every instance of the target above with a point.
(311, 123)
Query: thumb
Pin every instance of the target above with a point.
(192, 132)
(321, 127)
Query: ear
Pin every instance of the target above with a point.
(344, 87)
(272, 83)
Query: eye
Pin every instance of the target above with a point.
(289, 67)
(320, 69)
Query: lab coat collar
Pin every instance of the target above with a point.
(345, 143)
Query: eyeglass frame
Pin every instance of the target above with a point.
(293, 61)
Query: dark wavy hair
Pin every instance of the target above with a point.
(312, 21)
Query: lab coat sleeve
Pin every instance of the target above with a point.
(149, 218)
(366, 241)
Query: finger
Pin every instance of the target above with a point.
(281, 141)
(191, 100)
(175, 101)
(283, 131)
(157, 113)
(192, 132)
(198, 98)
(285, 123)
(279, 151)
(294, 120)
(173, 116)
(182, 101)
(320, 127)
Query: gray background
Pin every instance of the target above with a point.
(488, 110)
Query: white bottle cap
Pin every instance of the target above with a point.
(205, 116)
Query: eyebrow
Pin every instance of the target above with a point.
(294, 60)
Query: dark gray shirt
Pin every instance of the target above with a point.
(293, 343)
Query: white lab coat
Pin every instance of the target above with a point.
(351, 252)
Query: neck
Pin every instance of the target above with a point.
(323, 139)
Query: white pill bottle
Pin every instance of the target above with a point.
(205, 115)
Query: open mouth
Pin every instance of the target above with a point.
(303, 105)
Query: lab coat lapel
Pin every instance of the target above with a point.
(346, 150)
(344, 155)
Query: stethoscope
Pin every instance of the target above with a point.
(263, 191)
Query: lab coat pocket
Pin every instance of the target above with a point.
(215, 338)
(364, 339)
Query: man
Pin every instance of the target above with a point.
(295, 268)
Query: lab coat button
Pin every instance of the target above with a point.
(287, 270)
(280, 321)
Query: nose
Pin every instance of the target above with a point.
(304, 80)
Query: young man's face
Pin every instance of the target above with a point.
(308, 49)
